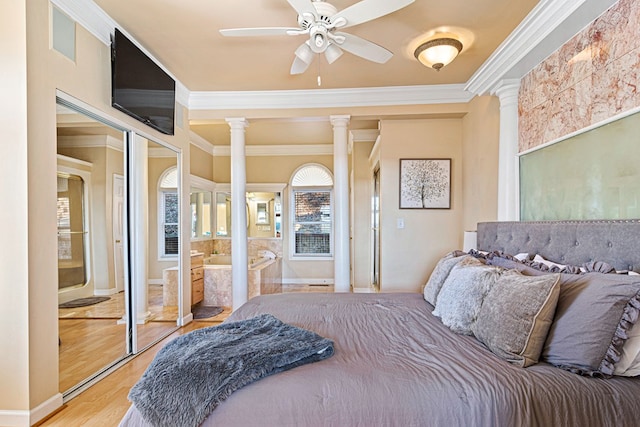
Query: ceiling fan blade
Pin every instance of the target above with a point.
(259, 31)
(303, 7)
(367, 10)
(364, 48)
(298, 66)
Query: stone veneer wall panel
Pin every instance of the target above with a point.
(592, 77)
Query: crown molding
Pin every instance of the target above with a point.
(200, 142)
(277, 150)
(544, 30)
(364, 135)
(538, 24)
(329, 98)
(91, 141)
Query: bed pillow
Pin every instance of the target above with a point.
(629, 363)
(462, 293)
(594, 313)
(516, 315)
(440, 273)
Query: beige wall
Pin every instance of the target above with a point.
(409, 254)
(480, 140)
(28, 308)
(361, 193)
(201, 163)
(14, 265)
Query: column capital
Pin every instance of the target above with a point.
(237, 122)
(507, 91)
(338, 120)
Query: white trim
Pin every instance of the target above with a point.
(74, 161)
(25, 418)
(201, 143)
(327, 98)
(538, 24)
(317, 281)
(185, 320)
(91, 141)
(544, 30)
(364, 135)
(583, 130)
(277, 150)
(368, 290)
(155, 282)
(105, 292)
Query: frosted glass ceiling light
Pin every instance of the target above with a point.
(437, 53)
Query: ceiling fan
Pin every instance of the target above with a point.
(321, 21)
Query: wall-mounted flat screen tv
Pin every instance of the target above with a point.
(139, 87)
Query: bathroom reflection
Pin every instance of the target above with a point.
(264, 214)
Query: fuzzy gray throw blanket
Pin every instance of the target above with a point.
(195, 372)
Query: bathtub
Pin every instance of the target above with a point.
(264, 276)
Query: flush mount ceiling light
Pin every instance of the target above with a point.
(437, 53)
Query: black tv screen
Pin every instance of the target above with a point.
(139, 87)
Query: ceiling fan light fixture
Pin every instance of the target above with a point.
(332, 53)
(438, 53)
(305, 53)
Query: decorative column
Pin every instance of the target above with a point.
(139, 174)
(239, 257)
(508, 168)
(341, 203)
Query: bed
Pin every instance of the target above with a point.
(396, 363)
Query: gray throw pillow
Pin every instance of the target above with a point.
(462, 293)
(594, 313)
(516, 316)
(440, 274)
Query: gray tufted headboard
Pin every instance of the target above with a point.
(616, 242)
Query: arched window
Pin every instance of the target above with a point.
(168, 208)
(312, 212)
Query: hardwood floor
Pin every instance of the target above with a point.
(93, 337)
(105, 403)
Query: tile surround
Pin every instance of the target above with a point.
(592, 77)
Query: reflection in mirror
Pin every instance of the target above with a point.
(264, 213)
(201, 208)
(223, 214)
(91, 275)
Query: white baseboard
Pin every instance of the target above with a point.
(363, 290)
(298, 281)
(156, 282)
(186, 319)
(25, 418)
(105, 292)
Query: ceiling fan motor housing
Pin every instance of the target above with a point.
(324, 11)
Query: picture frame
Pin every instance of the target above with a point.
(425, 184)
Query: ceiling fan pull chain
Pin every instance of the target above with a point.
(319, 78)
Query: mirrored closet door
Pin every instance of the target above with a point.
(98, 324)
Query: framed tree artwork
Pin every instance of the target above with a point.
(425, 183)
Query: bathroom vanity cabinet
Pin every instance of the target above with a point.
(197, 278)
(170, 282)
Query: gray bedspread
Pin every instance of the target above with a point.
(395, 364)
(193, 373)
